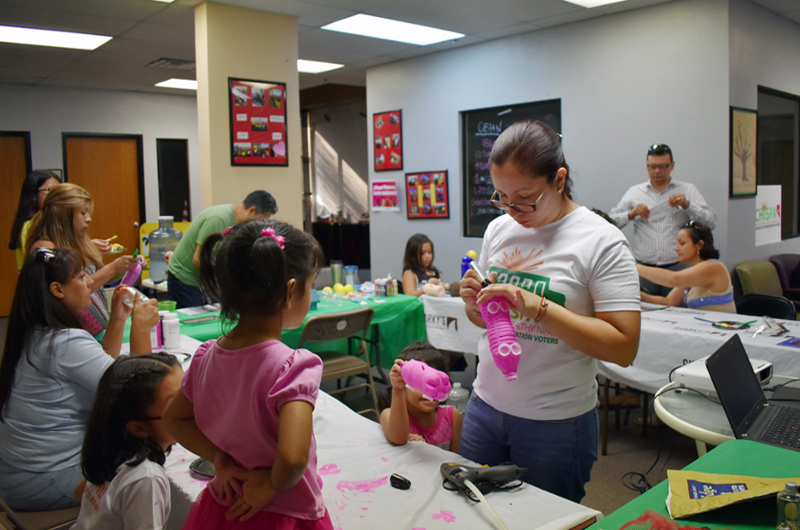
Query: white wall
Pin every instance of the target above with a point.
(764, 50)
(48, 111)
(340, 160)
(656, 74)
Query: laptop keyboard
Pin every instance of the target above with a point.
(784, 429)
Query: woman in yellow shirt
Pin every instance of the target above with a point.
(34, 191)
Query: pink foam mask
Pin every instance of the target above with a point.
(434, 384)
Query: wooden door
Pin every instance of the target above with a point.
(15, 164)
(110, 169)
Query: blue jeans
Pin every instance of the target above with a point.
(184, 295)
(32, 492)
(557, 454)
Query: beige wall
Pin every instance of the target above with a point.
(246, 44)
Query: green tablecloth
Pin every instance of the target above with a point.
(397, 320)
(734, 457)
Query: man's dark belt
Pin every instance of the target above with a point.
(666, 266)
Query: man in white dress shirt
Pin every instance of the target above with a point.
(654, 236)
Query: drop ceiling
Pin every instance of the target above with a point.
(144, 31)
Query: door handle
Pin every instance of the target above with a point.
(135, 224)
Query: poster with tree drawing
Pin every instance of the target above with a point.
(743, 133)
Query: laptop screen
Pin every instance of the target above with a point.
(735, 381)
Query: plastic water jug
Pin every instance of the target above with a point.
(162, 240)
(458, 398)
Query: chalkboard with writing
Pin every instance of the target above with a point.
(480, 128)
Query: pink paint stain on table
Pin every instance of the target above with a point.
(362, 486)
(384, 459)
(445, 516)
(329, 469)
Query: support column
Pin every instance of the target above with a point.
(245, 44)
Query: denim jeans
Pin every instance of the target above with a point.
(28, 492)
(184, 295)
(557, 454)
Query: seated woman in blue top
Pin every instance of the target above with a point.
(705, 285)
(49, 376)
(418, 266)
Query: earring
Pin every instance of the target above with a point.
(561, 190)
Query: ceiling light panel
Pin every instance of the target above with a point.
(315, 67)
(55, 39)
(184, 84)
(593, 3)
(394, 30)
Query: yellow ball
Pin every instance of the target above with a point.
(472, 254)
(338, 287)
(327, 289)
(348, 289)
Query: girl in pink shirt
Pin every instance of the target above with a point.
(409, 416)
(246, 401)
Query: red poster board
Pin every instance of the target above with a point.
(388, 136)
(258, 123)
(427, 195)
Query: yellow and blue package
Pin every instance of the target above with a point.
(692, 492)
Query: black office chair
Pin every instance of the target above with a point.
(759, 305)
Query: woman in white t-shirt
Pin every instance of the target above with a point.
(571, 283)
(123, 452)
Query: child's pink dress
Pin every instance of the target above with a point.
(237, 395)
(440, 434)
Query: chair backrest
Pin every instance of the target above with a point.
(759, 305)
(785, 264)
(759, 276)
(323, 328)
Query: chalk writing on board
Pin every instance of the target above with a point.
(480, 129)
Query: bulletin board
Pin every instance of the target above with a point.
(480, 128)
(258, 123)
(427, 196)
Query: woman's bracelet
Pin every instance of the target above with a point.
(475, 312)
(542, 310)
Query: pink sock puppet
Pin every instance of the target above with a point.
(500, 332)
(502, 337)
(434, 384)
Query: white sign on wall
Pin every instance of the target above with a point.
(768, 215)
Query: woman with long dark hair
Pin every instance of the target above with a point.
(49, 376)
(34, 191)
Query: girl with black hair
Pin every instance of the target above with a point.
(418, 266)
(125, 444)
(34, 191)
(706, 284)
(49, 375)
(247, 398)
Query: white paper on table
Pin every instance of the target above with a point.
(660, 211)
(199, 310)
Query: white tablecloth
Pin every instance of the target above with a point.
(448, 326)
(355, 463)
(673, 335)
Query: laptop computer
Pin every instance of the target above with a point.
(751, 416)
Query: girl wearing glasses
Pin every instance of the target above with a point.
(49, 375)
(570, 281)
(64, 222)
(706, 284)
(34, 190)
(124, 448)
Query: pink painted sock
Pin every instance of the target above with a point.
(501, 335)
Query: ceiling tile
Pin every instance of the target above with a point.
(125, 9)
(441, 15)
(175, 15)
(145, 31)
(32, 18)
(19, 80)
(626, 6)
(23, 52)
(307, 14)
(147, 51)
(516, 29)
(575, 16)
(780, 6)
(40, 63)
(12, 71)
(318, 53)
(352, 5)
(793, 15)
(519, 10)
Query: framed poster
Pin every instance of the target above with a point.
(258, 123)
(743, 136)
(427, 196)
(384, 196)
(387, 131)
